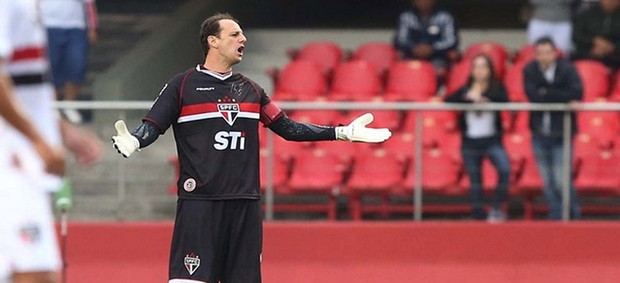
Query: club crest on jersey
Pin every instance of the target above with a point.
(229, 112)
(192, 262)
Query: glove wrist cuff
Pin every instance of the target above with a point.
(343, 133)
(136, 143)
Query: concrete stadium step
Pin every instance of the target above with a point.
(131, 209)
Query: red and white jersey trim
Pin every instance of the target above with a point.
(185, 281)
(213, 115)
(204, 111)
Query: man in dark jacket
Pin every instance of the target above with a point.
(551, 80)
(426, 33)
(596, 33)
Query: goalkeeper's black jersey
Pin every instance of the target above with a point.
(215, 118)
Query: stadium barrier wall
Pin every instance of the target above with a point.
(370, 252)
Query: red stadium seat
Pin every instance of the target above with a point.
(530, 185)
(279, 170)
(316, 171)
(440, 172)
(319, 117)
(401, 144)
(343, 151)
(457, 78)
(288, 149)
(376, 171)
(521, 122)
(518, 147)
(300, 80)
(583, 145)
(595, 79)
(602, 126)
(327, 54)
(451, 144)
(513, 80)
(355, 81)
(383, 118)
(614, 95)
(599, 172)
(380, 54)
(319, 173)
(435, 126)
(530, 181)
(495, 51)
(411, 81)
(527, 53)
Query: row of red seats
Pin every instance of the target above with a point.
(602, 125)
(318, 73)
(335, 169)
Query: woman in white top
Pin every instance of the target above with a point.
(482, 136)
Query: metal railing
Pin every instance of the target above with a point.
(403, 106)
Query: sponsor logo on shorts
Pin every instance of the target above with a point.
(192, 262)
(189, 185)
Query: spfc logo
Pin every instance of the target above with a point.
(192, 262)
(229, 112)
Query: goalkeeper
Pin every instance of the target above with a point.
(215, 114)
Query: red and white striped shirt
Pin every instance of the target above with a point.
(23, 40)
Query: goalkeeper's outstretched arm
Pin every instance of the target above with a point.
(355, 132)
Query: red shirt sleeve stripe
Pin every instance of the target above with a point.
(212, 107)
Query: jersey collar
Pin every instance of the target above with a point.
(216, 75)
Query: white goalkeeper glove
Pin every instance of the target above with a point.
(124, 142)
(357, 131)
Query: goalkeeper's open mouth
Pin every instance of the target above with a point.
(240, 50)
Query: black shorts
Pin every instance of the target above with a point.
(217, 241)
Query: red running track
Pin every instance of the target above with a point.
(391, 252)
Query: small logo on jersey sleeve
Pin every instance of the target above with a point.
(228, 109)
(192, 262)
(189, 185)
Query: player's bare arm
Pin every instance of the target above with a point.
(10, 111)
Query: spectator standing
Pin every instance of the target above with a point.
(548, 79)
(71, 27)
(597, 33)
(426, 32)
(552, 18)
(482, 137)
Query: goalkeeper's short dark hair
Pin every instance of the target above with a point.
(211, 26)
